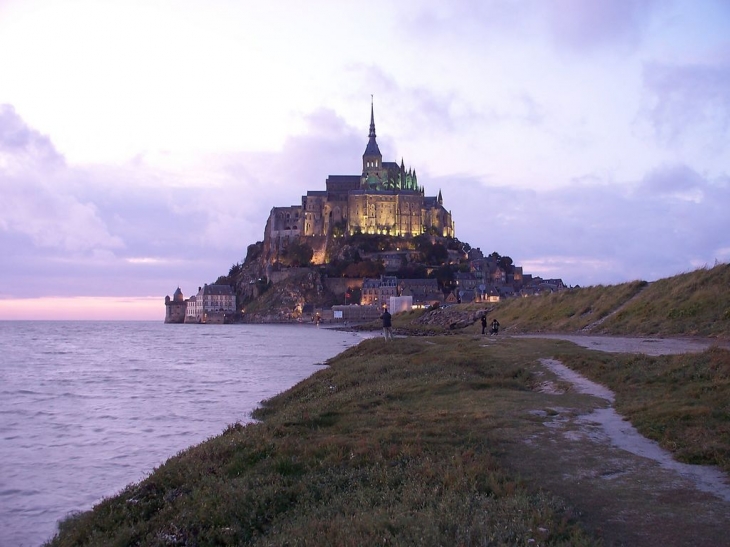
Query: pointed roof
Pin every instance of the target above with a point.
(372, 148)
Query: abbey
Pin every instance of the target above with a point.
(384, 199)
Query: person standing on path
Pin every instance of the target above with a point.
(495, 327)
(387, 328)
(484, 324)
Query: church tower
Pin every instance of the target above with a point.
(374, 174)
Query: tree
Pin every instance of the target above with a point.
(506, 264)
(412, 270)
(423, 244)
(297, 254)
(234, 271)
(366, 268)
(438, 254)
(223, 280)
(338, 228)
(253, 251)
(353, 295)
(445, 278)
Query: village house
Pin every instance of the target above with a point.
(377, 292)
(212, 304)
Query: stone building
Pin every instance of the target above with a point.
(384, 199)
(377, 292)
(175, 308)
(212, 304)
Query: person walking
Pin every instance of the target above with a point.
(484, 324)
(387, 327)
(495, 327)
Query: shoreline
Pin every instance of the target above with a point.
(315, 421)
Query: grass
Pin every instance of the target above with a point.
(407, 442)
(680, 401)
(570, 310)
(394, 444)
(690, 304)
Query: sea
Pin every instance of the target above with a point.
(87, 408)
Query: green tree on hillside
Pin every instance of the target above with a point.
(445, 278)
(365, 268)
(296, 254)
(254, 251)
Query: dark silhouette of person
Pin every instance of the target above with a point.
(495, 327)
(484, 324)
(387, 326)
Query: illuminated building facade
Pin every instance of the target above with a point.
(384, 199)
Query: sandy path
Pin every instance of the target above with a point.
(626, 344)
(628, 489)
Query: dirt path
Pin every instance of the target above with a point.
(639, 344)
(628, 489)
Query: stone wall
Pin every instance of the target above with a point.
(286, 273)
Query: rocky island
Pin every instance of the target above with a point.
(344, 251)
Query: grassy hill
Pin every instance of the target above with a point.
(689, 304)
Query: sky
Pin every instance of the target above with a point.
(144, 142)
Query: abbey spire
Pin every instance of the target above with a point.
(373, 173)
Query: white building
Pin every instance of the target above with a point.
(210, 300)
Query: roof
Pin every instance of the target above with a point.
(216, 290)
(372, 148)
(344, 178)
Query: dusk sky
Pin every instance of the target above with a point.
(143, 143)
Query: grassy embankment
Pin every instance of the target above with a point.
(404, 443)
(394, 444)
(690, 304)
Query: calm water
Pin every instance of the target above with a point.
(88, 407)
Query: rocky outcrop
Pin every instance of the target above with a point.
(284, 301)
(450, 318)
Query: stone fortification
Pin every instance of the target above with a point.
(384, 199)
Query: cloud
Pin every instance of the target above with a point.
(688, 103)
(21, 146)
(35, 203)
(584, 26)
(599, 231)
(576, 25)
(139, 228)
